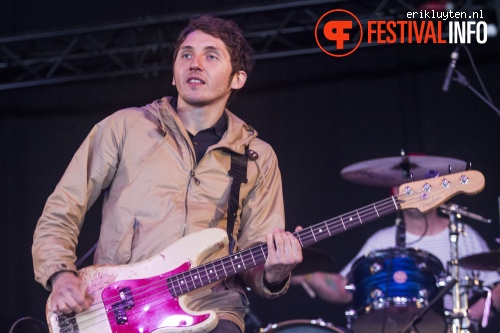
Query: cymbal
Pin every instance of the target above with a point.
(394, 171)
(486, 261)
(314, 260)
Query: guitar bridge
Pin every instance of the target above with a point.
(67, 323)
(126, 303)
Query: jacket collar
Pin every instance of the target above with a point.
(237, 136)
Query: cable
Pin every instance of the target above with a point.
(477, 73)
(28, 318)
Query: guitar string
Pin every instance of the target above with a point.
(306, 235)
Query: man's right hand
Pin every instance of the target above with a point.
(69, 294)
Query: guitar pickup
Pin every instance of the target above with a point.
(126, 302)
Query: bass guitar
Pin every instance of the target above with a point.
(153, 295)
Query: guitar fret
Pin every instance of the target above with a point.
(343, 224)
(229, 265)
(223, 267)
(238, 265)
(176, 285)
(215, 270)
(327, 228)
(196, 280)
(191, 279)
(359, 217)
(253, 259)
(263, 252)
(207, 274)
(182, 283)
(375, 208)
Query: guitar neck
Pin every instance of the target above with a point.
(230, 265)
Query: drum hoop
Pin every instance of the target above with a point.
(394, 252)
(294, 322)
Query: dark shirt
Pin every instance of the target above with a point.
(208, 137)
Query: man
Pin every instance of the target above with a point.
(164, 172)
(428, 232)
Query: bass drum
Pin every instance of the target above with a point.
(304, 326)
(391, 287)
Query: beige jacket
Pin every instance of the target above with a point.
(155, 193)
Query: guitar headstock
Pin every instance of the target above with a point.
(430, 193)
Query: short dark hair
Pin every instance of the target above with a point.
(226, 30)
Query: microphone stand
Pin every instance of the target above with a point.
(426, 309)
(463, 81)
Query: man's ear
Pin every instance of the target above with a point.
(239, 80)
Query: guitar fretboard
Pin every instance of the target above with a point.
(230, 265)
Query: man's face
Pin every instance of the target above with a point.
(202, 71)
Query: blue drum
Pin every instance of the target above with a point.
(391, 287)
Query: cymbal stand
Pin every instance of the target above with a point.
(460, 321)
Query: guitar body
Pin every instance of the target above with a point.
(136, 298)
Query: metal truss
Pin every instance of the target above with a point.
(145, 46)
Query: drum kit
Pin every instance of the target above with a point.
(400, 289)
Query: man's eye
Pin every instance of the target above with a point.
(185, 56)
(211, 56)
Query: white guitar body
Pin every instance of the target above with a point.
(184, 254)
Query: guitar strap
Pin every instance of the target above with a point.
(238, 171)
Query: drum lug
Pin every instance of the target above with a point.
(424, 293)
(350, 287)
(375, 268)
(350, 316)
(376, 294)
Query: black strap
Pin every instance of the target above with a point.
(238, 171)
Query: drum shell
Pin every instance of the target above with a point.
(399, 273)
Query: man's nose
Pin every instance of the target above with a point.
(195, 64)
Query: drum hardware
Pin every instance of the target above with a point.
(410, 327)
(459, 316)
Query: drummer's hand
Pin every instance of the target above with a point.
(476, 309)
(69, 294)
(284, 253)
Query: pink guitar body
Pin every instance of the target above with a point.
(136, 298)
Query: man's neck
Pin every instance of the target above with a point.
(196, 119)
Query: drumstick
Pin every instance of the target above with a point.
(308, 289)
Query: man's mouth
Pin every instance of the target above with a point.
(195, 80)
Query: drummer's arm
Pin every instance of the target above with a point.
(476, 309)
(328, 286)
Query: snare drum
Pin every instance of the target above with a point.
(391, 287)
(304, 326)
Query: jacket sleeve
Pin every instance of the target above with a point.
(90, 171)
(262, 211)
